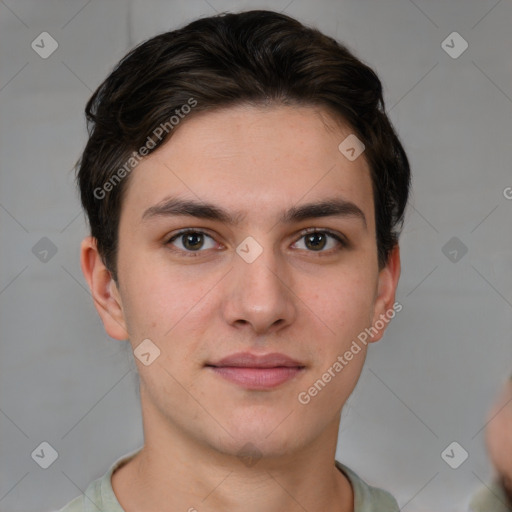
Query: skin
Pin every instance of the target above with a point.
(292, 299)
(499, 437)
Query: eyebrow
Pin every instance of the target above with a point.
(173, 206)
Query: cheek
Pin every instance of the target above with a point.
(160, 305)
(344, 302)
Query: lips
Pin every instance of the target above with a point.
(257, 372)
(248, 360)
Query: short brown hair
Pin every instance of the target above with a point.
(250, 57)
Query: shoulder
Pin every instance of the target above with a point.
(366, 497)
(489, 498)
(90, 500)
(99, 495)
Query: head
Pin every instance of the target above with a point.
(230, 128)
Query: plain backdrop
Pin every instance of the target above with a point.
(428, 383)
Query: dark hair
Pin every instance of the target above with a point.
(254, 57)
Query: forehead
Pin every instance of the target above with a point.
(253, 160)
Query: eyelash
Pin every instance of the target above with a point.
(343, 243)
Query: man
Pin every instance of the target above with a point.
(245, 191)
(498, 496)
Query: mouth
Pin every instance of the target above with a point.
(257, 372)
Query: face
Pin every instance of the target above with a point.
(219, 268)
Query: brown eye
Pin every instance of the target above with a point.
(316, 241)
(191, 241)
(321, 241)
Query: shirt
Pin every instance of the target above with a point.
(99, 495)
(490, 499)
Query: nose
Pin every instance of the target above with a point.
(260, 295)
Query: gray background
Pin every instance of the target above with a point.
(431, 379)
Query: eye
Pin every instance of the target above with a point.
(316, 240)
(194, 241)
(191, 240)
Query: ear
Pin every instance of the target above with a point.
(104, 290)
(385, 308)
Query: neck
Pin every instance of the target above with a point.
(174, 472)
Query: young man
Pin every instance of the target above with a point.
(245, 191)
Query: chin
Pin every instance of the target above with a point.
(249, 450)
(268, 436)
